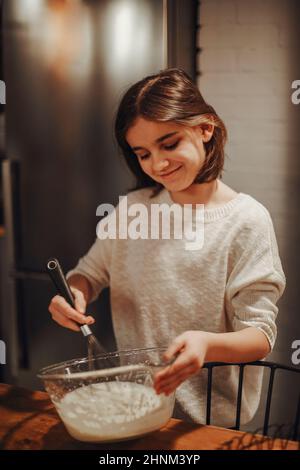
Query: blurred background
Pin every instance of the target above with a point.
(66, 64)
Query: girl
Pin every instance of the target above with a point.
(217, 303)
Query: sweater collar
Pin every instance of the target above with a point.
(210, 215)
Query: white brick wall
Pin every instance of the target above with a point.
(249, 56)
(248, 59)
(237, 36)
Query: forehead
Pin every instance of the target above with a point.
(144, 132)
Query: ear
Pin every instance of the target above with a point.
(207, 131)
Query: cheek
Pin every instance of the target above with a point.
(191, 156)
(145, 166)
(196, 156)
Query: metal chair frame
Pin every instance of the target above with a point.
(273, 367)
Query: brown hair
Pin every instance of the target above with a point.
(170, 95)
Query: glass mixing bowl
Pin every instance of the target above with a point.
(111, 396)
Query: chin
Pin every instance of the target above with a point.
(175, 186)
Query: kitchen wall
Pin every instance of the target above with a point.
(247, 61)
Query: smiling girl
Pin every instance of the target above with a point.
(214, 304)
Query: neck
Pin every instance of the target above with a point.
(203, 193)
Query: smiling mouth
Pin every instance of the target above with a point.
(170, 173)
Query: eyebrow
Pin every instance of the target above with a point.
(157, 141)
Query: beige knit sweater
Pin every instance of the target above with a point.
(159, 290)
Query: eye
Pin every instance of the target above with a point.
(143, 157)
(171, 146)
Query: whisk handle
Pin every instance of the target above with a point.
(56, 273)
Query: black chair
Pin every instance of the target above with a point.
(273, 367)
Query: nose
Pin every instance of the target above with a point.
(159, 164)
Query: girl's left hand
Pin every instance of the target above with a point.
(191, 348)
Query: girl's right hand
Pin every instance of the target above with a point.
(67, 316)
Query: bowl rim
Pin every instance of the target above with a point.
(45, 372)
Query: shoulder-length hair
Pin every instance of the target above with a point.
(170, 95)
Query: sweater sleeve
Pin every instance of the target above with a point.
(96, 263)
(257, 280)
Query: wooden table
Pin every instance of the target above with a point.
(28, 420)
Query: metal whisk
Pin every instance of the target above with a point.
(56, 273)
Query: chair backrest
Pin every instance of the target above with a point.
(273, 368)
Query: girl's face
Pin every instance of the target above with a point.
(169, 153)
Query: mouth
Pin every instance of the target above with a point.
(167, 175)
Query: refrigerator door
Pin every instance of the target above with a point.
(33, 339)
(66, 66)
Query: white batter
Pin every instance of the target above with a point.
(112, 411)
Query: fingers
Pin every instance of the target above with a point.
(170, 383)
(166, 380)
(79, 300)
(66, 315)
(63, 321)
(62, 306)
(190, 349)
(182, 361)
(175, 347)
